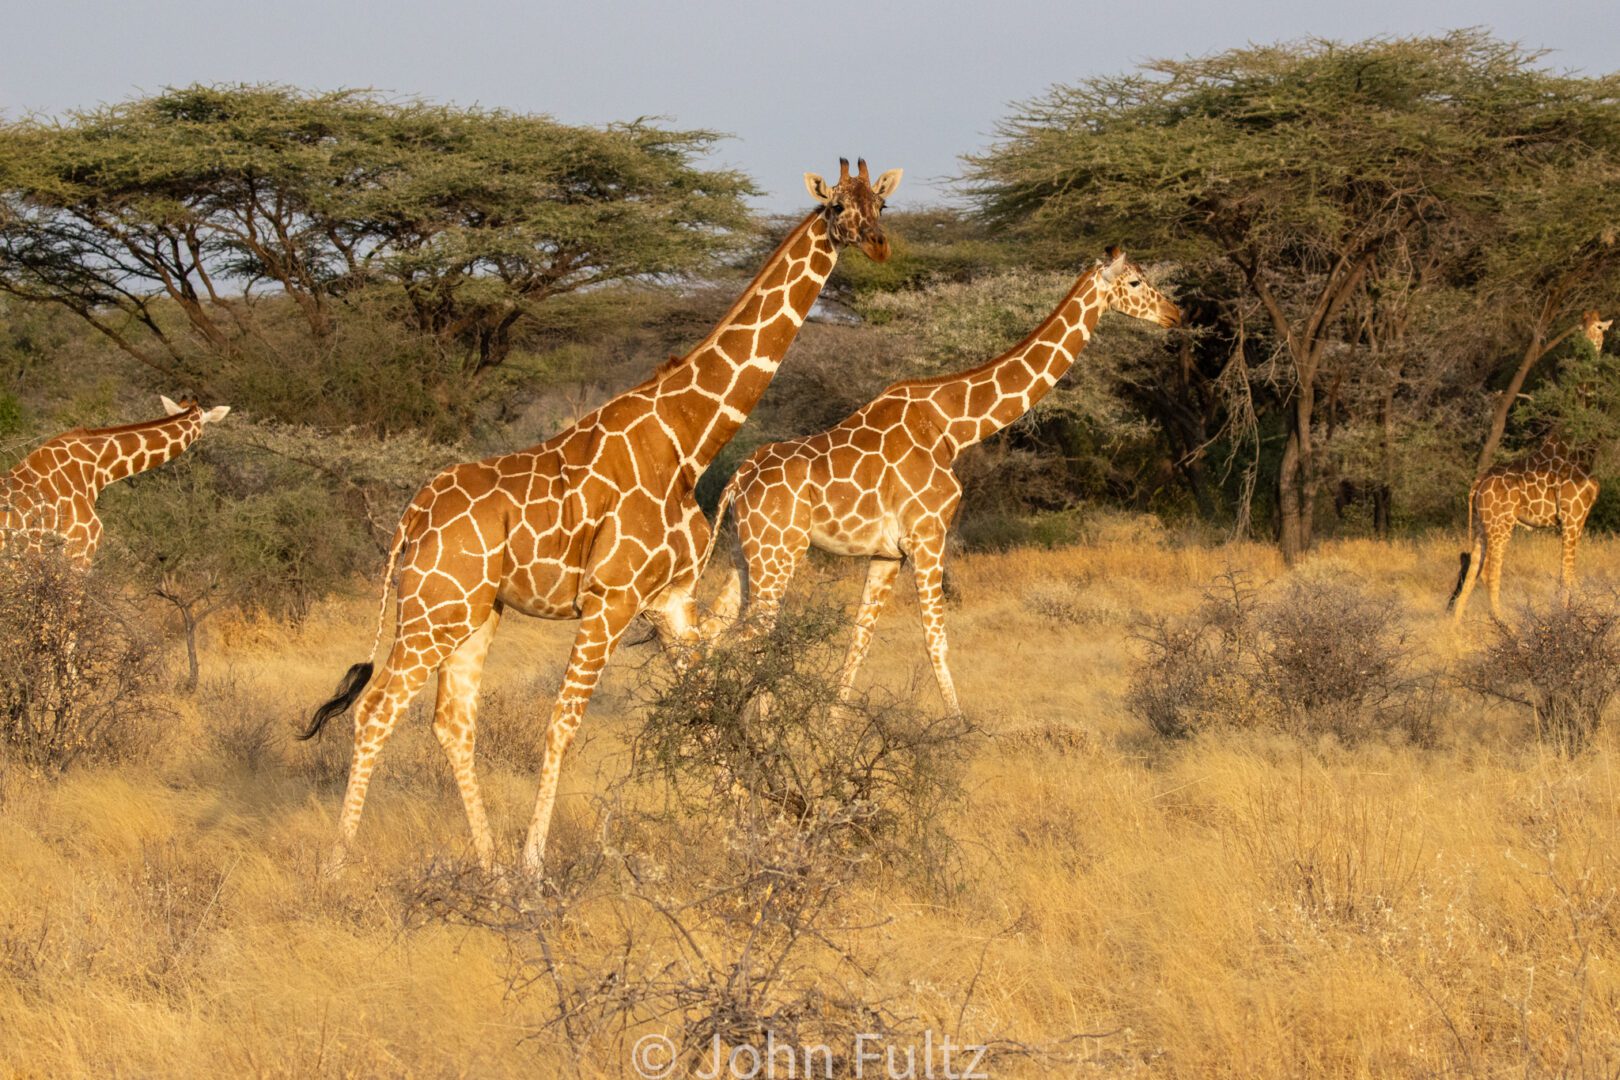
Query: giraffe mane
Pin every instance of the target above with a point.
(124, 429)
(675, 362)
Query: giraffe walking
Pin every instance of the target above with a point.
(880, 483)
(53, 491)
(597, 523)
(1544, 488)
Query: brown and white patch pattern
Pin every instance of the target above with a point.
(597, 523)
(880, 484)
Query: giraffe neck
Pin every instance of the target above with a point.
(705, 396)
(122, 452)
(983, 400)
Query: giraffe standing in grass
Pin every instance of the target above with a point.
(53, 491)
(597, 523)
(1546, 487)
(880, 483)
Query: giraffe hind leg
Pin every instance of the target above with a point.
(880, 575)
(455, 725)
(383, 703)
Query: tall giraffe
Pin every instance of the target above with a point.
(597, 523)
(880, 483)
(53, 490)
(1545, 487)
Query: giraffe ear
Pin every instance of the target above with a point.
(216, 413)
(1113, 262)
(887, 183)
(170, 407)
(818, 188)
(1605, 324)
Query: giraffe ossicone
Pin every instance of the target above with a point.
(880, 484)
(1544, 488)
(597, 523)
(53, 491)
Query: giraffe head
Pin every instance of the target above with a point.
(1125, 290)
(852, 206)
(1592, 327)
(175, 408)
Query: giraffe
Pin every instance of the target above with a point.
(1545, 487)
(880, 483)
(597, 523)
(53, 490)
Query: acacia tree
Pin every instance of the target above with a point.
(1299, 169)
(184, 225)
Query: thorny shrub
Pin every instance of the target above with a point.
(1561, 663)
(81, 679)
(722, 909)
(1326, 656)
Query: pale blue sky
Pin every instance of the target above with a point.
(903, 83)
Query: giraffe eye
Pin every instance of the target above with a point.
(1134, 282)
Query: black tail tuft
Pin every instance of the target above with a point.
(349, 689)
(1462, 575)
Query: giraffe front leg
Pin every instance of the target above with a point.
(602, 626)
(928, 565)
(880, 575)
(455, 723)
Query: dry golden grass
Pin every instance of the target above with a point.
(1239, 905)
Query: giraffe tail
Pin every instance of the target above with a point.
(355, 679)
(1466, 559)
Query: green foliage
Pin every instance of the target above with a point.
(1324, 203)
(181, 224)
(265, 517)
(926, 247)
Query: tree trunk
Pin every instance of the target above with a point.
(1383, 492)
(190, 623)
(1533, 352)
(1290, 536)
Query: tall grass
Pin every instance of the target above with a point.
(1242, 902)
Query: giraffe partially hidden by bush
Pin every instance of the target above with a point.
(1544, 488)
(52, 492)
(597, 523)
(880, 483)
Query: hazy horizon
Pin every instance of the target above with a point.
(902, 84)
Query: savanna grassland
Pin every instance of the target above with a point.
(1241, 902)
(1217, 808)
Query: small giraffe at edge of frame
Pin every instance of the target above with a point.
(597, 524)
(880, 484)
(53, 490)
(1545, 487)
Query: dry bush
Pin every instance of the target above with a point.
(1561, 663)
(1336, 656)
(1327, 656)
(1202, 672)
(81, 678)
(721, 911)
(878, 771)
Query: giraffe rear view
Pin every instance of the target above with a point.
(1546, 487)
(880, 483)
(597, 523)
(53, 491)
